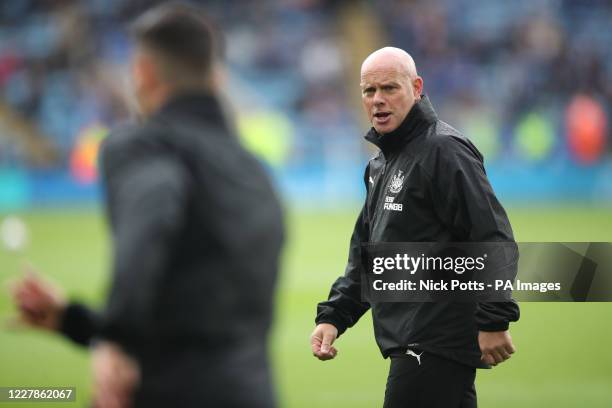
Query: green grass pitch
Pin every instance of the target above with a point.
(563, 357)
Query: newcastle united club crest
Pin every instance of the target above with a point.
(396, 183)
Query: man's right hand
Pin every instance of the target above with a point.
(321, 341)
(116, 375)
(41, 304)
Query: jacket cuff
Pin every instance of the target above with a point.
(78, 323)
(494, 327)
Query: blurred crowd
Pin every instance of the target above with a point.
(510, 72)
(528, 80)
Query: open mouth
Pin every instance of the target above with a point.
(382, 117)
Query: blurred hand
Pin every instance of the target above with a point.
(40, 303)
(496, 347)
(115, 377)
(321, 341)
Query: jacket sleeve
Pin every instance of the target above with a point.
(80, 323)
(344, 307)
(465, 202)
(146, 192)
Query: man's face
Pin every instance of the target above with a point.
(146, 81)
(387, 96)
(139, 78)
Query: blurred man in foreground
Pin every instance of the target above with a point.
(437, 176)
(197, 231)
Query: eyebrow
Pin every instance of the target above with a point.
(389, 83)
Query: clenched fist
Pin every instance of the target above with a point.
(496, 347)
(321, 341)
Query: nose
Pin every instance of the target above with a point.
(378, 99)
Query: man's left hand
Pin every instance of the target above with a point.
(115, 376)
(496, 347)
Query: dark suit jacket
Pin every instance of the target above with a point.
(197, 231)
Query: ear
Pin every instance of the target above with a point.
(417, 86)
(218, 76)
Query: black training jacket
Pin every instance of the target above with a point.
(197, 231)
(445, 197)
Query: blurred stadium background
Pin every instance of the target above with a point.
(529, 81)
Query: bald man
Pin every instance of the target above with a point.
(437, 176)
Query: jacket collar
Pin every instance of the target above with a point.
(421, 116)
(199, 105)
